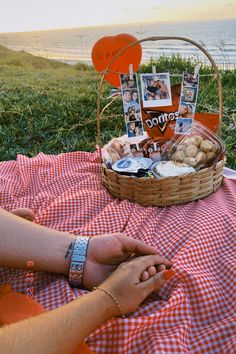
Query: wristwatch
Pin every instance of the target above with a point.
(78, 260)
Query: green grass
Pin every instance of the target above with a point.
(51, 107)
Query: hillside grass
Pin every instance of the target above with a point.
(51, 107)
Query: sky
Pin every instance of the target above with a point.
(29, 15)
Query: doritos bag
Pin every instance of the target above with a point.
(159, 122)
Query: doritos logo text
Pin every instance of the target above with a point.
(160, 119)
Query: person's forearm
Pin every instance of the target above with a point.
(58, 331)
(24, 244)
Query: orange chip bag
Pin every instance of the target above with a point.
(159, 122)
(210, 120)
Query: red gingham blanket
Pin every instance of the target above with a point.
(195, 313)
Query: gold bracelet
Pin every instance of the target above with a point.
(112, 296)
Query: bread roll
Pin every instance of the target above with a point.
(187, 141)
(179, 156)
(196, 140)
(191, 150)
(200, 157)
(182, 147)
(190, 161)
(206, 145)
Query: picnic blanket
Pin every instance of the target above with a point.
(194, 313)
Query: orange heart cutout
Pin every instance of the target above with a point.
(107, 47)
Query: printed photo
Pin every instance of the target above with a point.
(156, 90)
(183, 125)
(128, 82)
(189, 79)
(130, 98)
(189, 94)
(128, 101)
(133, 113)
(134, 128)
(186, 110)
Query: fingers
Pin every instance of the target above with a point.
(148, 273)
(152, 271)
(161, 267)
(152, 264)
(143, 263)
(131, 245)
(157, 281)
(145, 276)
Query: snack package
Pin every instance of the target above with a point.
(153, 149)
(199, 148)
(159, 122)
(118, 148)
(137, 149)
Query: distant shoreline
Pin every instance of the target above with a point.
(72, 45)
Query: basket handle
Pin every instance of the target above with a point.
(157, 38)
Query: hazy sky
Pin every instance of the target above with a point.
(27, 15)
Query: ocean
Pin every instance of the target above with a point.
(75, 44)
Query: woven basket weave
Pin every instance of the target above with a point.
(169, 190)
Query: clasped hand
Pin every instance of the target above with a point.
(107, 252)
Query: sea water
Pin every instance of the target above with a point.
(75, 44)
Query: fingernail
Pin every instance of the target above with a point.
(168, 274)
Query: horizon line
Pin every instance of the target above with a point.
(117, 24)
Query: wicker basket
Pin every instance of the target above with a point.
(164, 191)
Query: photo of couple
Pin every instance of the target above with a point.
(186, 110)
(131, 104)
(188, 101)
(156, 90)
(134, 129)
(190, 79)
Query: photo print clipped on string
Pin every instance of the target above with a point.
(188, 101)
(131, 104)
(156, 91)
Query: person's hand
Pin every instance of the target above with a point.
(106, 252)
(126, 286)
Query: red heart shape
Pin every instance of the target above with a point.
(107, 47)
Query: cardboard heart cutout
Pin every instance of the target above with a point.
(107, 47)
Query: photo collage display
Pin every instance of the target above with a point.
(131, 105)
(188, 101)
(156, 92)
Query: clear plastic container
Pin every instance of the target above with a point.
(198, 148)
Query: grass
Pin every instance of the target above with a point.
(51, 107)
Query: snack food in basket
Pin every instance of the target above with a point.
(199, 148)
(171, 169)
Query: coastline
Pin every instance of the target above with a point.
(72, 45)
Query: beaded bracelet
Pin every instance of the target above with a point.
(113, 298)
